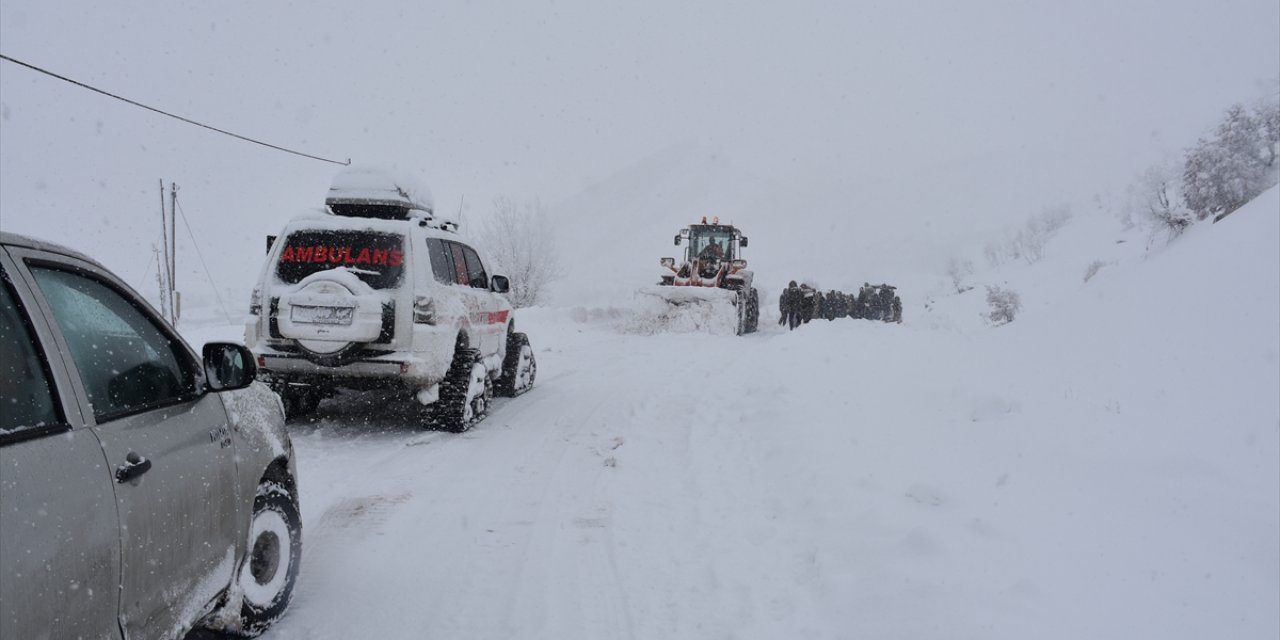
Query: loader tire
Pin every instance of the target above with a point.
(748, 306)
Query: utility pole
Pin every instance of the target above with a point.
(160, 280)
(162, 271)
(173, 252)
(170, 299)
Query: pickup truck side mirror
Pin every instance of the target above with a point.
(228, 366)
(499, 284)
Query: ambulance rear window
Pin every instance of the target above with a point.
(376, 258)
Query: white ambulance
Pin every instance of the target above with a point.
(375, 291)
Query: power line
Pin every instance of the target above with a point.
(208, 275)
(166, 113)
(147, 273)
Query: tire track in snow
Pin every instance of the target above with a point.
(738, 516)
(365, 501)
(576, 588)
(377, 468)
(510, 530)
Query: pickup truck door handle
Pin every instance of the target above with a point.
(134, 466)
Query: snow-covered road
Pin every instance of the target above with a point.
(850, 479)
(1107, 466)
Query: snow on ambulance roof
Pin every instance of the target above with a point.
(368, 184)
(323, 219)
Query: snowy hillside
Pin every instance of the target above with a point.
(1105, 466)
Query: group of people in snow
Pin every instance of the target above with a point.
(800, 303)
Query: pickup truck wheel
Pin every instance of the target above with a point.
(270, 568)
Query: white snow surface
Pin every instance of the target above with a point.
(1105, 466)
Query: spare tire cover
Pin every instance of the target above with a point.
(329, 329)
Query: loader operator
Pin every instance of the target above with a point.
(712, 251)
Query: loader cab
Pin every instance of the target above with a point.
(712, 243)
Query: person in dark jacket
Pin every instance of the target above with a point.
(886, 303)
(789, 306)
(842, 305)
(808, 303)
(831, 305)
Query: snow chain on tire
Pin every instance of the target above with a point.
(514, 380)
(450, 412)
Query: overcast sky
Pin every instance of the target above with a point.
(908, 107)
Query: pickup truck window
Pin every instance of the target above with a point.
(126, 363)
(26, 397)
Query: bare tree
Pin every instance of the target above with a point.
(1158, 196)
(1231, 168)
(522, 246)
(1028, 241)
(959, 269)
(1093, 269)
(1004, 303)
(1268, 115)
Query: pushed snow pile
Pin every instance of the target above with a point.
(379, 186)
(682, 310)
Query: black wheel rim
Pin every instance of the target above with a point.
(266, 557)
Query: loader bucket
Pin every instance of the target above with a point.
(662, 309)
